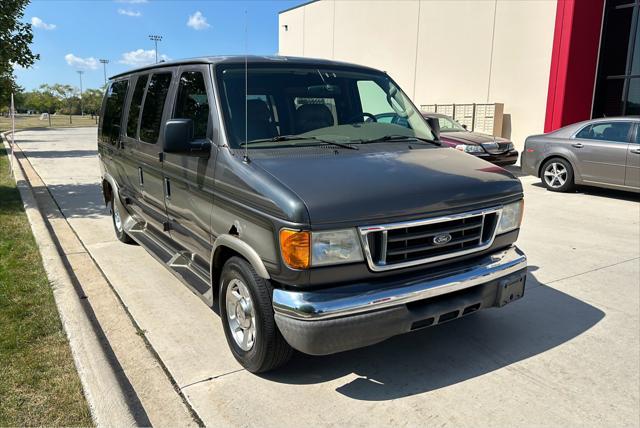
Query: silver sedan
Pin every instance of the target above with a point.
(599, 152)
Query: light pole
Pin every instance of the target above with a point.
(80, 73)
(104, 66)
(155, 38)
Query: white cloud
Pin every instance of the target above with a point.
(83, 63)
(129, 12)
(39, 23)
(141, 57)
(198, 21)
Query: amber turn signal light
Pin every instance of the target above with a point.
(295, 247)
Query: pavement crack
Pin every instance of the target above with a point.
(592, 270)
(211, 378)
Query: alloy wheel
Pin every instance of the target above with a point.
(555, 175)
(240, 314)
(117, 220)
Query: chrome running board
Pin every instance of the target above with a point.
(180, 263)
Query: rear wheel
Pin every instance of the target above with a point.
(247, 318)
(118, 224)
(557, 175)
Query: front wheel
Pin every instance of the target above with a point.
(247, 318)
(557, 175)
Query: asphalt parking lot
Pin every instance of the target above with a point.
(568, 353)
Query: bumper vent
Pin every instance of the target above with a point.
(399, 245)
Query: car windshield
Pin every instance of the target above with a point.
(295, 106)
(449, 125)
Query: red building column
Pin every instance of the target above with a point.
(573, 62)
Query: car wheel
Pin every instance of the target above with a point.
(247, 318)
(118, 224)
(557, 175)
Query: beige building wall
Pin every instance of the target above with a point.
(439, 51)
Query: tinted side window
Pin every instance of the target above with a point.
(192, 102)
(116, 95)
(606, 131)
(153, 107)
(136, 103)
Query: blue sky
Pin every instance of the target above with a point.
(73, 35)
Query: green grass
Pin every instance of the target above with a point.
(57, 121)
(39, 384)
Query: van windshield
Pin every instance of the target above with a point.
(301, 106)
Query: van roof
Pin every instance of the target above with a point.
(240, 59)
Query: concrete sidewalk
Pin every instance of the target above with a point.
(566, 354)
(124, 383)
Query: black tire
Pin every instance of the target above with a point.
(120, 233)
(553, 183)
(269, 349)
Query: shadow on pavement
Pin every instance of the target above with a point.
(49, 154)
(79, 199)
(602, 192)
(454, 352)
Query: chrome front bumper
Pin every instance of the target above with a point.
(340, 302)
(355, 315)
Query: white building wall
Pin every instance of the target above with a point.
(439, 51)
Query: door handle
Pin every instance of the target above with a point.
(578, 145)
(140, 177)
(636, 151)
(167, 188)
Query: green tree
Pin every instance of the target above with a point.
(48, 102)
(65, 94)
(92, 100)
(15, 41)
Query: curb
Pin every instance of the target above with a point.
(107, 402)
(123, 382)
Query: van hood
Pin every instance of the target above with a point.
(371, 186)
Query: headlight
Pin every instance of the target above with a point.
(470, 148)
(511, 217)
(302, 249)
(334, 247)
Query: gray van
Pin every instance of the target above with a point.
(268, 187)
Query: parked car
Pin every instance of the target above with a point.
(599, 152)
(265, 190)
(496, 150)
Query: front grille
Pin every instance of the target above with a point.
(399, 245)
(497, 148)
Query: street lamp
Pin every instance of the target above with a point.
(80, 73)
(104, 66)
(155, 38)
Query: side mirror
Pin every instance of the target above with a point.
(465, 127)
(435, 127)
(178, 138)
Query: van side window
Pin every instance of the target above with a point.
(153, 107)
(116, 95)
(192, 102)
(136, 103)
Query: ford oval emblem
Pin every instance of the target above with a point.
(441, 239)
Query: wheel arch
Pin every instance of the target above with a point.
(109, 188)
(226, 246)
(559, 156)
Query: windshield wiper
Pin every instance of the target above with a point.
(401, 138)
(280, 138)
